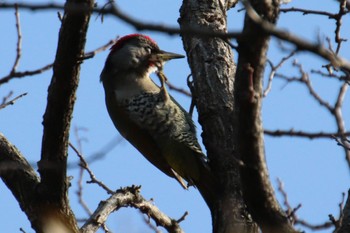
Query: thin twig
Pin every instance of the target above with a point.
(178, 89)
(340, 142)
(183, 217)
(273, 71)
(6, 98)
(300, 43)
(22, 74)
(11, 102)
(112, 9)
(305, 79)
(104, 47)
(307, 11)
(339, 16)
(322, 226)
(292, 212)
(338, 115)
(331, 75)
(81, 173)
(303, 134)
(19, 41)
(86, 167)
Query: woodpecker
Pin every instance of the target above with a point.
(147, 116)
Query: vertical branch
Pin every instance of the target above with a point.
(337, 112)
(339, 16)
(59, 109)
(345, 218)
(19, 41)
(257, 189)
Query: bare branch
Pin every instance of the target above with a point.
(105, 149)
(273, 72)
(183, 217)
(102, 48)
(84, 164)
(344, 223)
(335, 110)
(303, 134)
(300, 43)
(112, 9)
(305, 79)
(81, 172)
(178, 89)
(339, 16)
(340, 120)
(258, 192)
(19, 41)
(347, 4)
(322, 226)
(343, 142)
(11, 102)
(343, 4)
(129, 197)
(331, 75)
(6, 97)
(58, 113)
(23, 74)
(307, 12)
(291, 212)
(20, 178)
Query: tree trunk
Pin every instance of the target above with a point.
(45, 199)
(213, 71)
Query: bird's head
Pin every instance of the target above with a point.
(137, 53)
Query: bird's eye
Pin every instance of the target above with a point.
(148, 50)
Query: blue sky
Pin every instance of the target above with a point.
(314, 171)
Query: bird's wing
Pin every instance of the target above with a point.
(173, 131)
(139, 137)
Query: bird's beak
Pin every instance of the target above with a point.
(166, 56)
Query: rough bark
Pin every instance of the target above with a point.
(213, 71)
(129, 197)
(45, 201)
(60, 103)
(257, 189)
(19, 176)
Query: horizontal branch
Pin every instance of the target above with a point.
(112, 9)
(301, 44)
(303, 134)
(23, 74)
(307, 11)
(129, 197)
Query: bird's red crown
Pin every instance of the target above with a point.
(120, 42)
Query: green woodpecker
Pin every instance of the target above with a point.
(147, 116)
